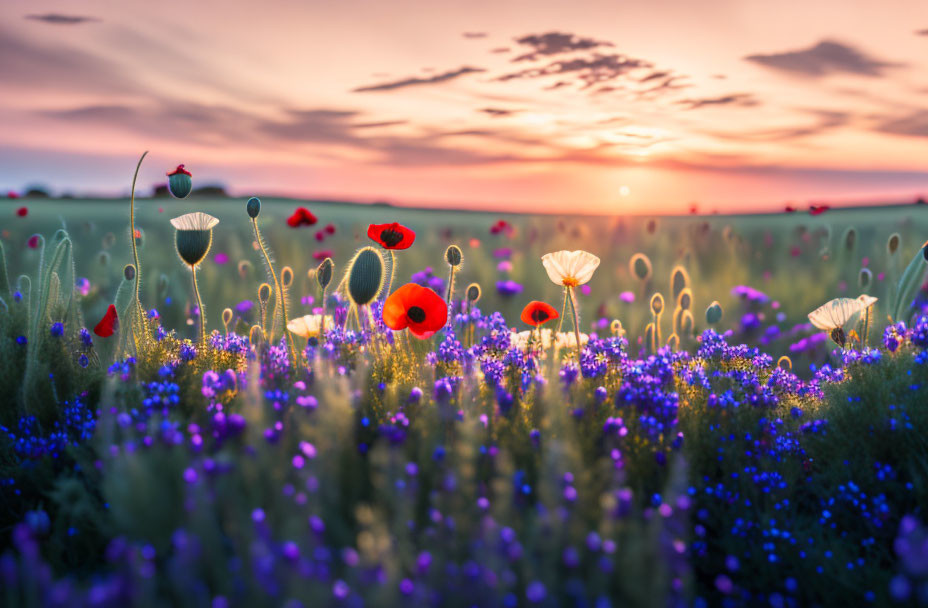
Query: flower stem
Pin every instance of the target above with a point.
(573, 310)
(392, 272)
(135, 251)
(560, 320)
(196, 291)
(278, 294)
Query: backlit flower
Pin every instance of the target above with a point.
(570, 268)
(391, 236)
(108, 324)
(415, 307)
(309, 326)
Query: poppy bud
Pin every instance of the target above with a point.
(785, 363)
(892, 245)
(244, 269)
(679, 280)
(657, 304)
(193, 245)
(256, 335)
(324, 272)
(850, 238)
(264, 293)
(286, 276)
(473, 293)
(685, 299)
(714, 313)
(253, 207)
(864, 278)
(180, 182)
(453, 256)
(103, 258)
(640, 266)
(129, 272)
(60, 235)
(226, 316)
(365, 277)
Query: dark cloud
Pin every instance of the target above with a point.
(590, 70)
(474, 35)
(555, 43)
(826, 57)
(59, 19)
(415, 81)
(497, 112)
(914, 124)
(377, 125)
(744, 100)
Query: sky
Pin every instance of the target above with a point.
(596, 106)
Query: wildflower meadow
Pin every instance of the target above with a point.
(256, 401)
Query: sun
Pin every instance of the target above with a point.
(624, 191)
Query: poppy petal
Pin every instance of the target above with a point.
(415, 307)
(538, 313)
(301, 217)
(108, 324)
(391, 236)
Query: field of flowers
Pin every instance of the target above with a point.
(237, 402)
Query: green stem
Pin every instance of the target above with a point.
(135, 251)
(392, 272)
(196, 291)
(322, 321)
(278, 293)
(560, 320)
(573, 311)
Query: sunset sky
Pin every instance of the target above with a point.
(601, 106)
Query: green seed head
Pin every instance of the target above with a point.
(365, 276)
(473, 293)
(714, 313)
(264, 293)
(453, 256)
(640, 267)
(253, 207)
(657, 304)
(128, 271)
(892, 244)
(864, 278)
(193, 245)
(324, 272)
(679, 280)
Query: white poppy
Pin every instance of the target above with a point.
(309, 325)
(867, 301)
(836, 313)
(195, 221)
(570, 268)
(567, 339)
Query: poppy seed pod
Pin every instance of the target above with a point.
(850, 238)
(193, 245)
(264, 293)
(640, 266)
(657, 304)
(453, 256)
(679, 280)
(324, 272)
(286, 276)
(129, 272)
(892, 244)
(685, 299)
(253, 207)
(714, 313)
(365, 276)
(473, 293)
(180, 182)
(864, 278)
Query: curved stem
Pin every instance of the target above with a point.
(573, 310)
(196, 291)
(560, 320)
(135, 251)
(278, 293)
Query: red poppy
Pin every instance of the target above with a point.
(320, 235)
(538, 313)
(12, 194)
(33, 241)
(323, 254)
(22, 212)
(789, 209)
(818, 209)
(108, 324)
(301, 217)
(391, 236)
(419, 308)
(330, 228)
(500, 226)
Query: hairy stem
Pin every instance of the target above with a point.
(573, 310)
(278, 292)
(135, 250)
(392, 272)
(560, 320)
(196, 291)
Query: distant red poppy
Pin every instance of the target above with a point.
(818, 209)
(22, 211)
(500, 226)
(538, 313)
(33, 241)
(391, 236)
(323, 254)
(330, 228)
(789, 209)
(320, 235)
(301, 217)
(12, 194)
(108, 324)
(415, 307)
